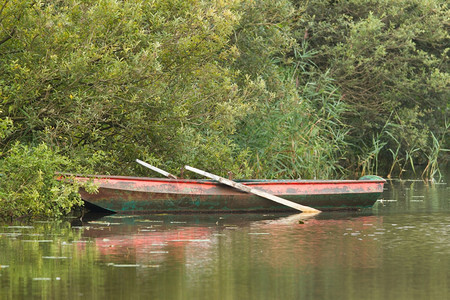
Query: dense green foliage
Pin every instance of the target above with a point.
(28, 187)
(260, 88)
(390, 62)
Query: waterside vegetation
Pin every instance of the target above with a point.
(274, 89)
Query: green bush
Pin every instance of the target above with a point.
(29, 187)
(390, 62)
(287, 88)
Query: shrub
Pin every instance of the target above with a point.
(29, 187)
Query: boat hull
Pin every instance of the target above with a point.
(134, 195)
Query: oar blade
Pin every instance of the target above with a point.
(254, 191)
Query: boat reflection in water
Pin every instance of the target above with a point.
(295, 240)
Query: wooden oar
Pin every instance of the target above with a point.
(254, 191)
(167, 174)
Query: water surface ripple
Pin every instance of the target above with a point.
(399, 249)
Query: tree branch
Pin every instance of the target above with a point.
(8, 36)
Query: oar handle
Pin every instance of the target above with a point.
(167, 174)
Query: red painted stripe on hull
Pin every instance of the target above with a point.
(130, 194)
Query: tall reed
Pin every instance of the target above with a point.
(432, 167)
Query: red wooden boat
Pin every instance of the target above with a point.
(122, 194)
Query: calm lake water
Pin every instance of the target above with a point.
(399, 249)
